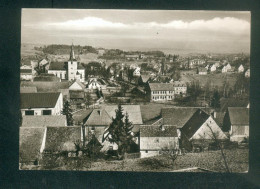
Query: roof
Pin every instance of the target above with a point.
(178, 116)
(81, 115)
(30, 141)
(76, 94)
(134, 112)
(194, 123)
(161, 86)
(98, 117)
(44, 121)
(156, 131)
(239, 115)
(57, 66)
(25, 71)
(28, 90)
(80, 67)
(145, 78)
(77, 85)
(62, 138)
(45, 86)
(46, 78)
(232, 102)
(38, 100)
(203, 70)
(179, 84)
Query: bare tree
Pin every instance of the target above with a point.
(171, 152)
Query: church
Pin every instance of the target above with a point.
(70, 70)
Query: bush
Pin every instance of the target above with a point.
(152, 163)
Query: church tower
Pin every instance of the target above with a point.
(72, 65)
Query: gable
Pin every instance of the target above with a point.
(76, 86)
(204, 132)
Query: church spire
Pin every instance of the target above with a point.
(72, 55)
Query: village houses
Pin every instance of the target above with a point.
(241, 69)
(180, 88)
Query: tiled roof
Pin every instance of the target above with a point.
(179, 84)
(28, 90)
(62, 138)
(157, 131)
(38, 100)
(81, 115)
(133, 111)
(49, 78)
(44, 121)
(161, 86)
(26, 71)
(98, 117)
(239, 115)
(194, 123)
(43, 86)
(57, 66)
(178, 116)
(30, 141)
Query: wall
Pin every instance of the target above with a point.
(240, 130)
(59, 73)
(38, 111)
(26, 77)
(150, 146)
(159, 95)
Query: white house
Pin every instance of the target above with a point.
(247, 73)
(155, 139)
(212, 68)
(180, 88)
(224, 69)
(41, 103)
(137, 71)
(240, 68)
(202, 71)
(228, 66)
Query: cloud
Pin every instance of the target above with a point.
(226, 24)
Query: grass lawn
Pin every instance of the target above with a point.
(237, 161)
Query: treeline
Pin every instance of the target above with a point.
(65, 49)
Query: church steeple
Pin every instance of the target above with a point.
(72, 54)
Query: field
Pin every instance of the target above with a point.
(216, 79)
(237, 160)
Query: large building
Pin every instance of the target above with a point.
(71, 70)
(161, 91)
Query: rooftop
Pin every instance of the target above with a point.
(28, 90)
(161, 86)
(239, 115)
(38, 100)
(57, 66)
(44, 121)
(157, 131)
(62, 138)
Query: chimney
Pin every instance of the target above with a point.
(99, 112)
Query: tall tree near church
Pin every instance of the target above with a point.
(68, 112)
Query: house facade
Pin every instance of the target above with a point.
(41, 103)
(236, 122)
(156, 139)
(224, 69)
(247, 73)
(161, 91)
(180, 88)
(137, 71)
(202, 71)
(212, 68)
(241, 69)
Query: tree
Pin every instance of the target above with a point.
(194, 90)
(120, 131)
(124, 88)
(88, 100)
(215, 101)
(130, 74)
(68, 112)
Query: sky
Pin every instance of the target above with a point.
(166, 30)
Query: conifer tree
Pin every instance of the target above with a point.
(68, 112)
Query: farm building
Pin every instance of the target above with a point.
(154, 139)
(193, 124)
(76, 90)
(236, 121)
(41, 103)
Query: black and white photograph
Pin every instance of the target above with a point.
(134, 90)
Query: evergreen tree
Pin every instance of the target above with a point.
(215, 101)
(68, 112)
(88, 100)
(119, 131)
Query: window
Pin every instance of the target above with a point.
(146, 151)
(46, 112)
(29, 112)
